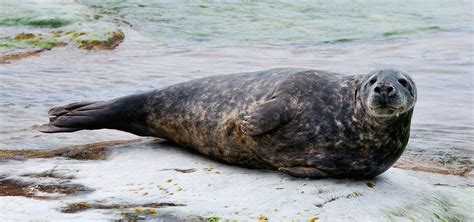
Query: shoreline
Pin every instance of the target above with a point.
(101, 150)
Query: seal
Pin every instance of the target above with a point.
(303, 122)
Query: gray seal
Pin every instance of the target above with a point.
(306, 123)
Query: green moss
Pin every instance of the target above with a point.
(52, 23)
(83, 204)
(7, 45)
(23, 36)
(212, 219)
(43, 43)
(30, 40)
(77, 34)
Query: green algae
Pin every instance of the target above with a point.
(23, 36)
(109, 41)
(53, 23)
(30, 40)
(410, 31)
(44, 43)
(7, 45)
(341, 40)
(49, 23)
(80, 39)
(212, 219)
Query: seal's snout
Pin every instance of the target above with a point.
(384, 89)
(384, 93)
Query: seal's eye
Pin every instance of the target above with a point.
(373, 80)
(403, 82)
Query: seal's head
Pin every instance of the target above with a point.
(387, 93)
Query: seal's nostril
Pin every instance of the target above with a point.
(377, 89)
(389, 89)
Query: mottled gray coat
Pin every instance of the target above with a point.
(307, 123)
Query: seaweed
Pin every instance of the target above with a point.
(50, 23)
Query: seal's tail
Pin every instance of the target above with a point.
(124, 114)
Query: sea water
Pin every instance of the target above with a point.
(168, 42)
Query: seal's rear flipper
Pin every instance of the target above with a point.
(126, 114)
(78, 116)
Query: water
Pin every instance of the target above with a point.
(168, 42)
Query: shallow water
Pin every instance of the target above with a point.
(167, 43)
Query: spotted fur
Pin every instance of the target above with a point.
(307, 123)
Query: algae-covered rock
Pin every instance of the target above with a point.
(27, 29)
(9, 57)
(23, 36)
(29, 44)
(112, 40)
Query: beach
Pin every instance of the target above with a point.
(58, 52)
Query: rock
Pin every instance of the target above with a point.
(112, 40)
(135, 174)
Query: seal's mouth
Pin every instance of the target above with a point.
(386, 110)
(384, 105)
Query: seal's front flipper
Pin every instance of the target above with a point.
(126, 114)
(304, 172)
(268, 116)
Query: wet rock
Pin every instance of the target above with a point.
(112, 40)
(94, 151)
(102, 36)
(82, 206)
(10, 57)
(26, 45)
(12, 187)
(49, 174)
(24, 36)
(423, 165)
